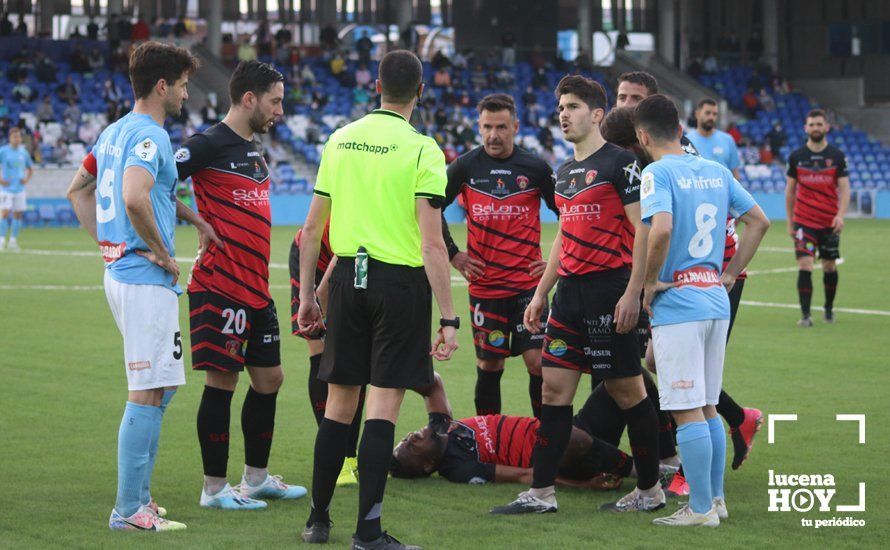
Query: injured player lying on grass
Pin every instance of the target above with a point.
(498, 448)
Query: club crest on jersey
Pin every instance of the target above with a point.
(589, 176)
(233, 347)
(182, 155)
(522, 182)
(146, 150)
(829, 162)
(647, 187)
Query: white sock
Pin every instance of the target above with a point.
(255, 476)
(672, 461)
(547, 494)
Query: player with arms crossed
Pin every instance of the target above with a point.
(816, 200)
(131, 215)
(686, 200)
(233, 319)
(16, 169)
(591, 328)
(501, 187)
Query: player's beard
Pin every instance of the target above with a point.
(707, 126)
(817, 137)
(258, 123)
(173, 108)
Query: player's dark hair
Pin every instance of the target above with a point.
(405, 471)
(400, 73)
(154, 61)
(642, 78)
(14, 130)
(252, 76)
(618, 127)
(497, 102)
(817, 113)
(589, 91)
(658, 116)
(705, 101)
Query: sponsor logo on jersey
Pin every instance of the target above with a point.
(496, 338)
(557, 348)
(577, 171)
(253, 154)
(701, 277)
(589, 210)
(497, 172)
(507, 210)
(700, 183)
(590, 176)
(108, 148)
(111, 252)
(633, 172)
(590, 352)
(139, 365)
(363, 147)
(647, 187)
(253, 197)
(522, 182)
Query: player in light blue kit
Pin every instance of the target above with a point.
(711, 143)
(15, 171)
(686, 200)
(132, 213)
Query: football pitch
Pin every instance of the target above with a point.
(63, 391)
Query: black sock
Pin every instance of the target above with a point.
(730, 410)
(318, 389)
(488, 392)
(805, 290)
(439, 422)
(356, 426)
(550, 444)
(603, 457)
(330, 447)
(829, 279)
(374, 457)
(642, 431)
(258, 425)
(666, 446)
(213, 430)
(535, 383)
(601, 416)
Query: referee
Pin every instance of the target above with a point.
(381, 183)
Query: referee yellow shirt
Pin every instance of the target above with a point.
(373, 170)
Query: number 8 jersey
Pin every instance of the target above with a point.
(134, 140)
(699, 194)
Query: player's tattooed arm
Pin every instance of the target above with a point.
(82, 195)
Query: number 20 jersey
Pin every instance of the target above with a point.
(699, 194)
(134, 140)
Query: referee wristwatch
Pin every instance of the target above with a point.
(450, 322)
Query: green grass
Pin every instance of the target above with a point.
(63, 393)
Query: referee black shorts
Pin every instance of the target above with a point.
(380, 335)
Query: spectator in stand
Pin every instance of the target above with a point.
(5, 25)
(45, 111)
(113, 31)
(362, 76)
(72, 111)
(162, 28)
(111, 91)
(461, 60)
(328, 38)
(780, 86)
(68, 89)
(246, 51)
(540, 80)
(140, 31)
(127, 106)
(409, 37)
(125, 28)
(180, 29)
(112, 111)
(734, 131)
(749, 152)
(755, 47)
(283, 37)
(120, 62)
(749, 100)
(710, 65)
(440, 61)
(75, 34)
(337, 66)
(363, 47)
(766, 101)
(264, 40)
(508, 48)
(777, 139)
(479, 78)
(78, 60)
(45, 69)
(22, 28)
(95, 61)
(442, 78)
(69, 130)
(766, 154)
(4, 109)
(20, 65)
(307, 76)
(92, 30)
(209, 112)
(59, 152)
(504, 78)
(88, 131)
(22, 92)
(695, 68)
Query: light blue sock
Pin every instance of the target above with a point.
(4, 227)
(133, 442)
(694, 441)
(718, 455)
(145, 493)
(16, 226)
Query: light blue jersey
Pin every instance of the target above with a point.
(719, 147)
(134, 140)
(700, 195)
(14, 163)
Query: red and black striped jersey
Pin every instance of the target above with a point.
(817, 174)
(502, 198)
(231, 184)
(325, 254)
(591, 195)
(504, 440)
(732, 244)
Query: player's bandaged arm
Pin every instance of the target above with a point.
(82, 196)
(137, 186)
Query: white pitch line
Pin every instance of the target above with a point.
(774, 249)
(817, 308)
(787, 269)
(85, 253)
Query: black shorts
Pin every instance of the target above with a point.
(581, 330)
(644, 331)
(227, 335)
(380, 335)
(293, 263)
(735, 298)
(807, 240)
(497, 326)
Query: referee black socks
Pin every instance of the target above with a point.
(805, 290)
(550, 444)
(642, 431)
(374, 457)
(213, 430)
(488, 391)
(258, 425)
(330, 450)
